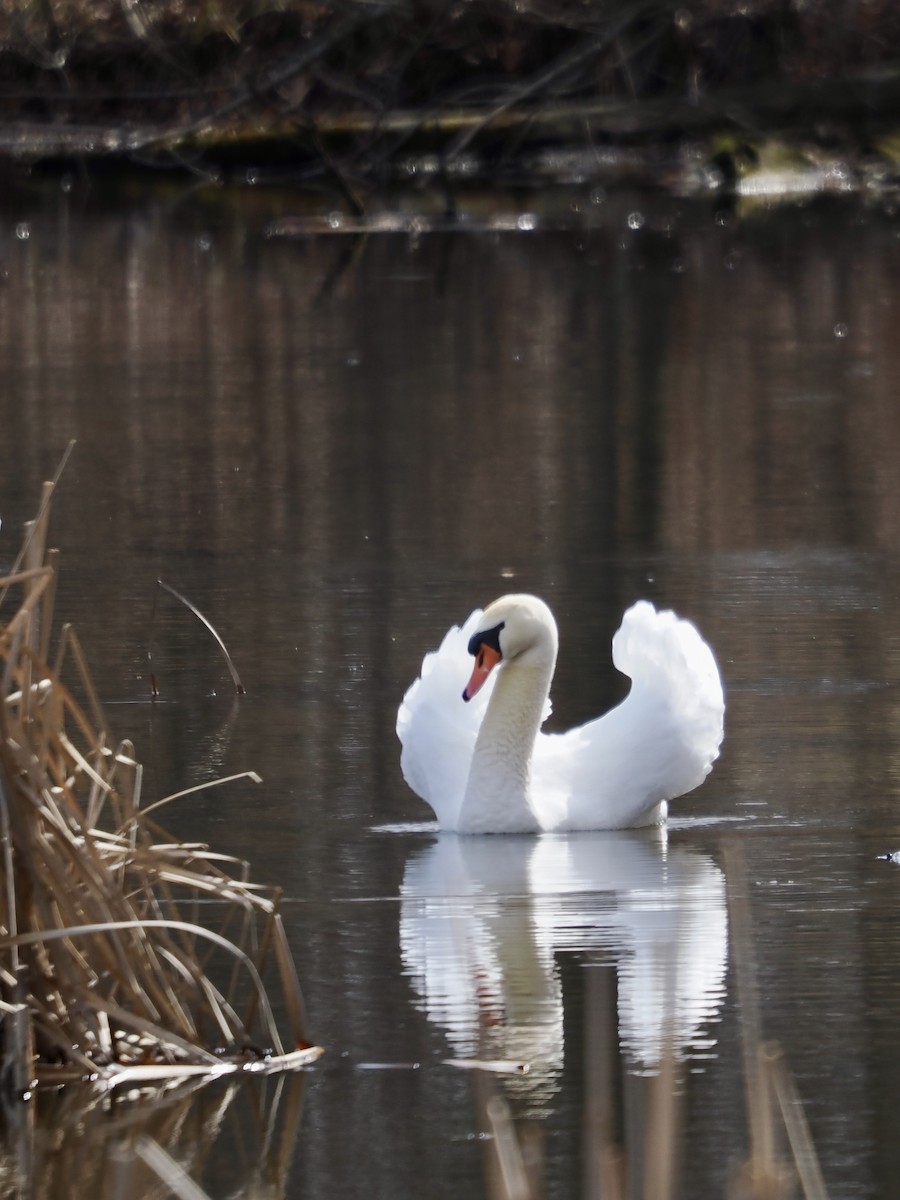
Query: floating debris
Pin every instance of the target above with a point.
(497, 1066)
(388, 1066)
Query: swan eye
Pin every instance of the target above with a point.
(488, 638)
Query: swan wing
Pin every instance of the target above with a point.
(437, 729)
(660, 742)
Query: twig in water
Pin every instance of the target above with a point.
(770, 1089)
(172, 1173)
(236, 679)
(802, 1146)
(509, 1152)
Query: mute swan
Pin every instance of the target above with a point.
(485, 767)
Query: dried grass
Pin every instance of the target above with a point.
(105, 971)
(119, 1147)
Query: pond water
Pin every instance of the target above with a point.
(337, 447)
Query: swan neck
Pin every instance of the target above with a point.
(497, 797)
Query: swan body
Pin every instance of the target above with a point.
(486, 767)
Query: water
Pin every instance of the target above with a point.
(336, 448)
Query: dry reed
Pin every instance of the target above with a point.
(119, 1147)
(105, 972)
(782, 1152)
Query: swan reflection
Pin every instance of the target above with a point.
(486, 922)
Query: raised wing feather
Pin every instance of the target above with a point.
(437, 729)
(660, 742)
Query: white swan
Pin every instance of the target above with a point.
(485, 767)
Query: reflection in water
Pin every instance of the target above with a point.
(237, 1140)
(484, 922)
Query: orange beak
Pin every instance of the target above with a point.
(485, 661)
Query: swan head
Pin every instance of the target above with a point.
(517, 628)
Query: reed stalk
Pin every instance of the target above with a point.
(105, 973)
(781, 1147)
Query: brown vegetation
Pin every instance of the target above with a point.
(110, 966)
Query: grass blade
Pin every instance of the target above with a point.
(236, 680)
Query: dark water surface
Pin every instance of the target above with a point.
(337, 448)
